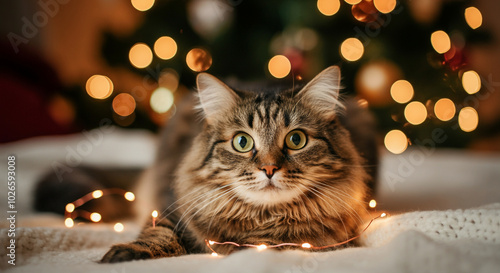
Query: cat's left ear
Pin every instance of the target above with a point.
(215, 96)
(322, 92)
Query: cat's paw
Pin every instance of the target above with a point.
(126, 252)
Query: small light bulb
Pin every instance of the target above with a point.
(154, 213)
(69, 222)
(97, 194)
(383, 215)
(70, 207)
(129, 196)
(95, 217)
(210, 242)
(119, 227)
(215, 254)
(372, 203)
(261, 247)
(306, 245)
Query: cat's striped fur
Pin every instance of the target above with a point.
(270, 194)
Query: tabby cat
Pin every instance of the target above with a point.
(266, 167)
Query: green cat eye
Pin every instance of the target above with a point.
(242, 142)
(296, 140)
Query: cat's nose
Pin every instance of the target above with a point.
(269, 170)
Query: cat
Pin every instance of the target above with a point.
(266, 167)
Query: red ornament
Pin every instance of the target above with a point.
(455, 58)
(365, 11)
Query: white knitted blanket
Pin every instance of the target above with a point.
(424, 241)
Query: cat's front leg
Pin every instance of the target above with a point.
(153, 242)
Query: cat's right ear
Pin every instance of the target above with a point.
(215, 96)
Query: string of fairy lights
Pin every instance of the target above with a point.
(73, 211)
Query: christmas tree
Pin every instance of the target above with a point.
(405, 60)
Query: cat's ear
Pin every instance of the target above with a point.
(322, 92)
(215, 96)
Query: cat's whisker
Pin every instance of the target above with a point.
(189, 195)
(218, 210)
(341, 202)
(316, 192)
(195, 202)
(341, 192)
(204, 206)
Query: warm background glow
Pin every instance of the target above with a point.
(161, 100)
(444, 109)
(99, 87)
(328, 7)
(415, 112)
(352, 2)
(468, 119)
(471, 82)
(402, 91)
(198, 60)
(396, 141)
(140, 55)
(165, 47)
(124, 104)
(142, 5)
(352, 49)
(473, 17)
(440, 41)
(279, 66)
(384, 6)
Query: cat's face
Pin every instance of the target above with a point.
(269, 149)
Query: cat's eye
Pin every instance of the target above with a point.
(296, 140)
(242, 142)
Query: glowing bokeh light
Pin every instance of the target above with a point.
(70, 207)
(69, 222)
(161, 100)
(142, 5)
(374, 80)
(97, 194)
(396, 141)
(129, 196)
(169, 79)
(415, 112)
(440, 41)
(372, 203)
(99, 87)
(444, 109)
(124, 104)
(140, 55)
(261, 247)
(363, 103)
(352, 2)
(468, 119)
(279, 66)
(165, 48)
(198, 60)
(215, 254)
(154, 213)
(118, 227)
(95, 217)
(384, 6)
(352, 49)
(402, 91)
(328, 7)
(471, 82)
(473, 17)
